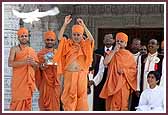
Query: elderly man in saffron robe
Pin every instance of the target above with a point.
(24, 61)
(121, 76)
(47, 79)
(74, 56)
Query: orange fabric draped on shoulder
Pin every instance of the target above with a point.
(64, 58)
(117, 87)
(48, 84)
(74, 96)
(23, 82)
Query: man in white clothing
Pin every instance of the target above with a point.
(152, 98)
(100, 72)
(135, 50)
(149, 62)
(99, 76)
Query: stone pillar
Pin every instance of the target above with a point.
(11, 25)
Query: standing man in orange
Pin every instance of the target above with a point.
(47, 80)
(121, 76)
(75, 55)
(24, 61)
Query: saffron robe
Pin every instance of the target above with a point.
(117, 87)
(74, 95)
(23, 82)
(48, 84)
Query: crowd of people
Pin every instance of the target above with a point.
(124, 79)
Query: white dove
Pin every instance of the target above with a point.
(29, 17)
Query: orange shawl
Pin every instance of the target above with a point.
(23, 81)
(48, 84)
(123, 59)
(68, 51)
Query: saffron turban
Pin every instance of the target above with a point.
(122, 36)
(78, 29)
(50, 34)
(22, 31)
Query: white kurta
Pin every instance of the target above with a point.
(151, 100)
(137, 57)
(97, 79)
(149, 66)
(99, 76)
(163, 78)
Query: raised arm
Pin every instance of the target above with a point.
(110, 55)
(80, 21)
(66, 22)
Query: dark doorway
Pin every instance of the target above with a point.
(142, 33)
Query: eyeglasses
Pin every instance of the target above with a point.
(49, 40)
(22, 36)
